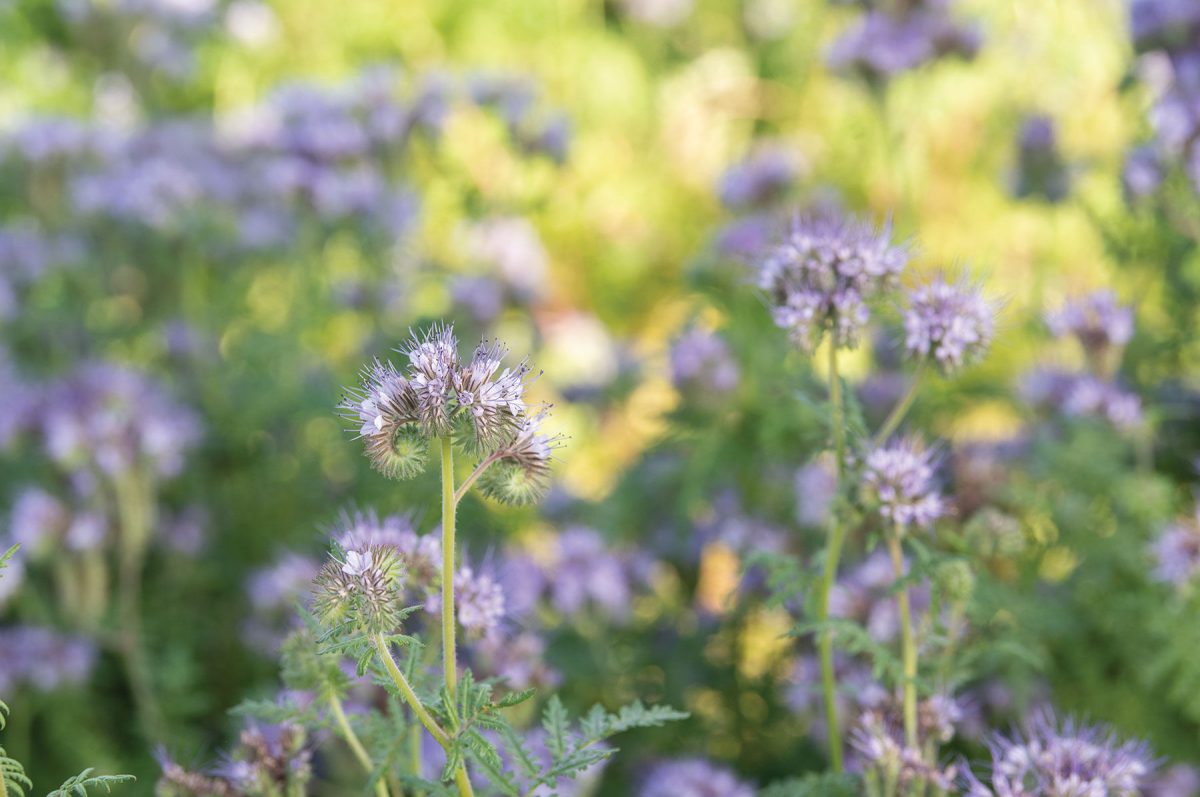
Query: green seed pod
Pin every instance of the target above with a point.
(403, 455)
(510, 483)
(954, 580)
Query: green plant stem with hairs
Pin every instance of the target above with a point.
(423, 715)
(892, 423)
(355, 744)
(449, 518)
(837, 536)
(907, 644)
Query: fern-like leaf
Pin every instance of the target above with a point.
(79, 785)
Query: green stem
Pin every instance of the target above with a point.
(837, 536)
(406, 690)
(414, 702)
(449, 510)
(135, 512)
(908, 644)
(414, 753)
(901, 409)
(475, 474)
(355, 744)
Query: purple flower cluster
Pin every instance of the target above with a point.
(1097, 321)
(693, 777)
(823, 273)
(43, 525)
(1082, 396)
(583, 574)
(1176, 552)
(950, 325)
(474, 401)
(763, 178)
(268, 759)
(878, 743)
(702, 365)
(898, 479)
(43, 659)
(887, 42)
(1167, 32)
(113, 420)
(1052, 759)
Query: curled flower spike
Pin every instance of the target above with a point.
(521, 473)
(899, 480)
(951, 325)
(387, 407)
(822, 274)
(363, 588)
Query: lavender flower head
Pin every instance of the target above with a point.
(1052, 759)
(585, 573)
(475, 402)
(479, 600)
(116, 419)
(1097, 321)
(951, 325)
(1177, 552)
(899, 480)
(693, 777)
(702, 365)
(820, 277)
(879, 748)
(885, 43)
(43, 659)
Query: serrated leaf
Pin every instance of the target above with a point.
(515, 698)
(79, 785)
(554, 720)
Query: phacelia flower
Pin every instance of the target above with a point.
(517, 660)
(1177, 552)
(693, 777)
(1082, 395)
(584, 573)
(951, 325)
(820, 277)
(1052, 759)
(866, 594)
(273, 592)
(1096, 320)
(885, 43)
(479, 601)
(877, 741)
(43, 659)
(899, 479)
(521, 472)
(362, 587)
(482, 406)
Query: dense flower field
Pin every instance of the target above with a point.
(667, 398)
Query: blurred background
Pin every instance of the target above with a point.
(213, 214)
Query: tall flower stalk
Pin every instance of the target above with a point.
(820, 278)
(440, 403)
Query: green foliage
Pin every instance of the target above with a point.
(79, 785)
(824, 785)
(13, 774)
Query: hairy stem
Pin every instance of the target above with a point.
(135, 510)
(356, 746)
(423, 715)
(901, 409)
(463, 488)
(833, 552)
(449, 511)
(907, 643)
